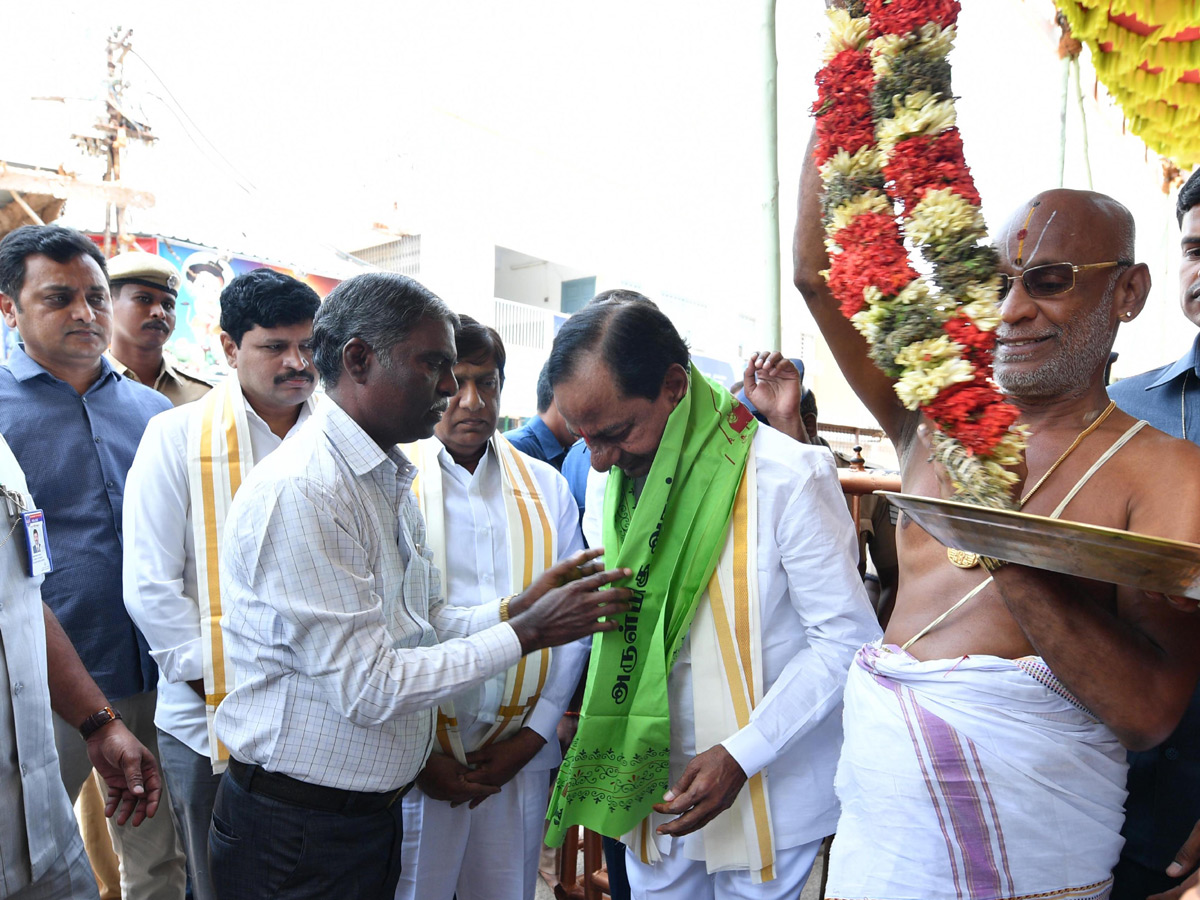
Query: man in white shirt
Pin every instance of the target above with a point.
(41, 853)
(266, 330)
(502, 518)
(340, 642)
(750, 528)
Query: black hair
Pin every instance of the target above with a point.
(1189, 196)
(478, 343)
(265, 298)
(635, 340)
(808, 404)
(381, 309)
(60, 244)
(545, 393)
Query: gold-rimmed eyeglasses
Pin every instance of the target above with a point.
(1052, 278)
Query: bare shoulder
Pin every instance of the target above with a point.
(1163, 478)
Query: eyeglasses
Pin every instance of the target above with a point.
(1053, 278)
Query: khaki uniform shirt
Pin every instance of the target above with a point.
(176, 385)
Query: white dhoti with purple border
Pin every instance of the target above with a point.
(977, 777)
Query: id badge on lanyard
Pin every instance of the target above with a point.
(33, 523)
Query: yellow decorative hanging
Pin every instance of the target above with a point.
(1147, 54)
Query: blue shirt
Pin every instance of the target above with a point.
(1164, 783)
(535, 439)
(575, 469)
(76, 451)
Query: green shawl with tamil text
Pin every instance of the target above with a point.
(617, 766)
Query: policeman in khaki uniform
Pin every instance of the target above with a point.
(144, 291)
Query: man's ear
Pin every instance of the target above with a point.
(675, 383)
(1132, 290)
(229, 345)
(8, 307)
(357, 359)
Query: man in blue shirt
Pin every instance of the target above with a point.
(73, 424)
(1164, 783)
(545, 436)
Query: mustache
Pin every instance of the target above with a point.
(440, 408)
(293, 373)
(156, 325)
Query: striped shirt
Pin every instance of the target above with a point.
(340, 640)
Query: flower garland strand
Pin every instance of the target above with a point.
(891, 160)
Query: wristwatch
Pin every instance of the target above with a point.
(98, 720)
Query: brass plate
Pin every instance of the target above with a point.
(1073, 548)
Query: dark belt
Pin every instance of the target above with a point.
(257, 780)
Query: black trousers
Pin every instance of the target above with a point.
(261, 847)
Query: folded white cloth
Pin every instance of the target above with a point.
(977, 777)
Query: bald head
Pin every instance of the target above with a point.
(1063, 225)
(1056, 330)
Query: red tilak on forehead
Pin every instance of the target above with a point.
(583, 434)
(1024, 232)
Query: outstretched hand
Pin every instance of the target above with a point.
(572, 568)
(573, 611)
(129, 770)
(707, 787)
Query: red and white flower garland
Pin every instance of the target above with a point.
(892, 164)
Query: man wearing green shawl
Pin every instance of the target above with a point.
(711, 722)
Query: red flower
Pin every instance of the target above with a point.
(920, 164)
(977, 343)
(872, 254)
(843, 105)
(975, 414)
(903, 16)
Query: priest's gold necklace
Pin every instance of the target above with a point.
(966, 560)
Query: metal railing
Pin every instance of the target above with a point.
(522, 325)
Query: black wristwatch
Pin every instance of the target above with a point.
(98, 720)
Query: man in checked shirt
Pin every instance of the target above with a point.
(340, 640)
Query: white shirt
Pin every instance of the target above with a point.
(815, 616)
(159, 570)
(331, 601)
(478, 567)
(39, 824)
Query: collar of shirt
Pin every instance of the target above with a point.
(124, 371)
(1189, 361)
(258, 423)
(460, 473)
(24, 367)
(545, 438)
(357, 448)
(166, 371)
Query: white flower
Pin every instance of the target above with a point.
(864, 163)
(984, 313)
(915, 293)
(845, 33)
(867, 201)
(943, 216)
(921, 112)
(919, 386)
(884, 49)
(929, 353)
